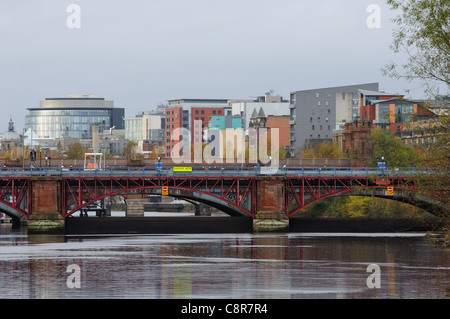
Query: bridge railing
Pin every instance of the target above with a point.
(217, 171)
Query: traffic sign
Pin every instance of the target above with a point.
(182, 169)
(165, 190)
(390, 191)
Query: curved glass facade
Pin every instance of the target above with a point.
(72, 122)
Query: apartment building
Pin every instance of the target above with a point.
(315, 113)
(188, 113)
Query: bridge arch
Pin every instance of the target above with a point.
(11, 211)
(225, 202)
(407, 195)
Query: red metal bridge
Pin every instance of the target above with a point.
(239, 191)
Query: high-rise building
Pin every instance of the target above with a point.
(188, 113)
(145, 128)
(72, 117)
(314, 114)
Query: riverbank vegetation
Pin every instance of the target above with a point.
(362, 206)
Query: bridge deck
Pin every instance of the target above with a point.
(216, 171)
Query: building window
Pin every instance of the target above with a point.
(313, 127)
(317, 95)
(219, 112)
(196, 111)
(343, 96)
(214, 112)
(293, 98)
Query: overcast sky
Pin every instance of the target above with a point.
(143, 52)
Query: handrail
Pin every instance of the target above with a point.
(215, 171)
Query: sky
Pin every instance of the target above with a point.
(139, 53)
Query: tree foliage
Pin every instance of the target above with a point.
(362, 206)
(423, 34)
(395, 152)
(129, 151)
(76, 151)
(323, 150)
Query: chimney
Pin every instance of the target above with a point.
(95, 138)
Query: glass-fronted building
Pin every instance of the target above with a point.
(72, 117)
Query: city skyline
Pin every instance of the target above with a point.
(144, 53)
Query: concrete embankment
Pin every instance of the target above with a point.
(157, 225)
(191, 224)
(367, 225)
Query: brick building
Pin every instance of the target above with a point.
(354, 139)
(392, 112)
(182, 113)
(282, 123)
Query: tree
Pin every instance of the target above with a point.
(75, 151)
(129, 151)
(423, 34)
(323, 150)
(396, 154)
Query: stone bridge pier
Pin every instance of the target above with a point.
(135, 205)
(270, 205)
(46, 206)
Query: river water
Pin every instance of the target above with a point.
(261, 266)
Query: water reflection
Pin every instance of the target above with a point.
(223, 266)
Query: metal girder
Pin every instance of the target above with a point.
(15, 196)
(303, 191)
(236, 192)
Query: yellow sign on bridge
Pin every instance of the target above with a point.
(182, 169)
(390, 191)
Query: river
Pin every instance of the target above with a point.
(246, 266)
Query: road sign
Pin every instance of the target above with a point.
(182, 169)
(164, 190)
(390, 191)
